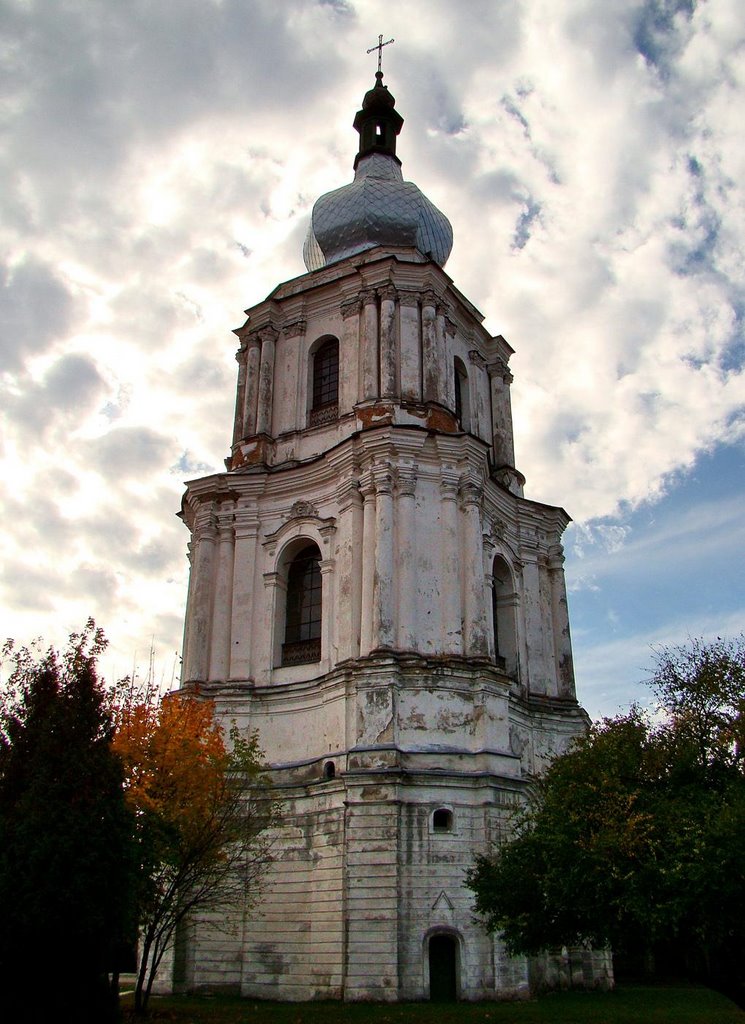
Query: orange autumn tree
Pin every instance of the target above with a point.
(201, 813)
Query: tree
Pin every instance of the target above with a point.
(633, 838)
(201, 816)
(66, 851)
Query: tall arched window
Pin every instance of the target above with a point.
(325, 385)
(460, 382)
(302, 644)
(504, 602)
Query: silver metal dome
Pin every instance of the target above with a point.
(377, 208)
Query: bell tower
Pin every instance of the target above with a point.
(372, 592)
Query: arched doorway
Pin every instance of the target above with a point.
(443, 968)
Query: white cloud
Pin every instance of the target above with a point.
(162, 161)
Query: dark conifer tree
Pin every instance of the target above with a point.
(65, 839)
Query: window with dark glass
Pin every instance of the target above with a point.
(458, 397)
(303, 615)
(503, 603)
(325, 405)
(460, 382)
(442, 820)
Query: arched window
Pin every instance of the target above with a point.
(442, 820)
(329, 770)
(503, 604)
(302, 643)
(325, 384)
(460, 382)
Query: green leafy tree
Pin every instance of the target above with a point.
(633, 839)
(66, 837)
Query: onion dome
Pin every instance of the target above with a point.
(378, 207)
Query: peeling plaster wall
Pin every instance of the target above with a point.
(415, 700)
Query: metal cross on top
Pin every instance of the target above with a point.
(379, 48)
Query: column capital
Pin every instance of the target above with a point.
(449, 481)
(409, 298)
(388, 291)
(368, 296)
(224, 521)
(295, 329)
(246, 521)
(477, 359)
(268, 334)
(498, 368)
(429, 298)
(471, 493)
(205, 523)
(351, 307)
(348, 493)
(382, 475)
(556, 557)
(367, 485)
(406, 477)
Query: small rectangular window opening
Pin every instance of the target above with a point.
(442, 820)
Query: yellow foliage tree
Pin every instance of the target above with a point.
(202, 816)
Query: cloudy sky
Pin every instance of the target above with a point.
(159, 164)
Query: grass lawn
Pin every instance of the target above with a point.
(629, 1004)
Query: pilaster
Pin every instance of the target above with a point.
(266, 381)
(240, 395)
(383, 603)
(367, 490)
(369, 346)
(251, 390)
(431, 366)
(450, 584)
(388, 361)
(204, 541)
(410, 347)
(475, 640)
(350, 391)
(349, 562)
(246, 529)
(223, 599)
(560, 618)
(503, 445)
(406, 556)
